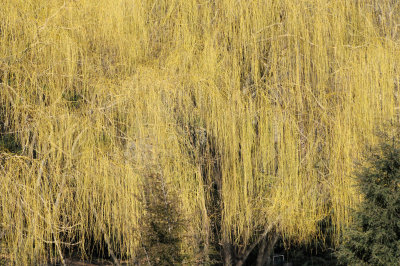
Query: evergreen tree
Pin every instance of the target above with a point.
(374, 237)
(163, 224)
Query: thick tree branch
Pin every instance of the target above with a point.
(259, 239)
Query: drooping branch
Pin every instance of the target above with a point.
(106, 238)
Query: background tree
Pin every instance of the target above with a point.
(374, 238)
(162, 224)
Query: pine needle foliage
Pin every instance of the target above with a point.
(163, 226)
(374, 238)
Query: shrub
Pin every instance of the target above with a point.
(163, 224)
(374, 237)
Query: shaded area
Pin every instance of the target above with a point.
(8, 140)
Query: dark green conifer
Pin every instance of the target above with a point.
(374, 238)
(163, 224)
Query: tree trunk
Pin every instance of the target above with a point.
(260, 256)
(227, 253)
(239, 262)
(270, 249)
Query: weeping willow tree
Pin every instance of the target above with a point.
(253, 112)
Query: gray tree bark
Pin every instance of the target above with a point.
(260, 255)
(270, 249)
(227, 253)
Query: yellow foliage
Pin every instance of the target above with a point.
(100, 94)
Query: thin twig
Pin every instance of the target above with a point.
(106, 239)
(58, 247)
(52, 16)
